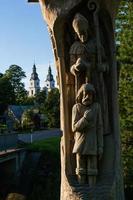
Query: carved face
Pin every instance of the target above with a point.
(81, 27)
(87, 98)
(82, 35)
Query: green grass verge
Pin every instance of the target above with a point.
(50, 144)
(46, 181)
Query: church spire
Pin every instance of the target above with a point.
(34, 75)
(49, 76)
(34, 68)
(49, 69)
(49, 83)
(34, 82)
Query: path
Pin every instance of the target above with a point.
(39, 135)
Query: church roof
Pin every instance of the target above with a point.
(34, 75)
(17, 111)
(49, 75)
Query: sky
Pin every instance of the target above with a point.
(24, 39)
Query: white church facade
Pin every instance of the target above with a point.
(49, 82)
(34, 87)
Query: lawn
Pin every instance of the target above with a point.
(46, 181)
(51, 144)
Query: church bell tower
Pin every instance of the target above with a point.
(49, 83)
(34, 82)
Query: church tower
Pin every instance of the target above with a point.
(34, 82)
(49, 83)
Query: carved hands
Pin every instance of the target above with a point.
(87, 114)
(78, 67)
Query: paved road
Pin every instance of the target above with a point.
(39, 135)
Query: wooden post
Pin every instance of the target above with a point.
(59, 15)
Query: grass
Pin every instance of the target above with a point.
(51, 144)
(46, 182)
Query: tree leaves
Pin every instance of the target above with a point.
(125, 58)
(15, 74)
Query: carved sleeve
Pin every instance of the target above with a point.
(99, 130)
(78, 124)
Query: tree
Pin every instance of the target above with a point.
(27, 119)
(125, 58)
(40, 97)
(15, 74)
(52, 108)
(1, 75)
(7, 95)
(121, 20)
(29, 100)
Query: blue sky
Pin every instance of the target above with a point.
(24, 38)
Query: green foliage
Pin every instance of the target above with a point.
(127, 149)
(49, 106)
(40, 97)
(27, 119)
(46, 183)
(28, 100)
(39, 103)
(3, 128)
(125, 58)
(15, 74)
(7, 95)
(51, 144)
(31, 119)
(1, 75)
(52, 108)
(122, 19)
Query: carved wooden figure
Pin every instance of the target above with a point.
(88, 127)
(82, 34)
(85, 64)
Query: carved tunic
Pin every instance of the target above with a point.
(86, 53)
(88, 131)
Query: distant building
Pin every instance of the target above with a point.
(34, 82)
(49, 82)
(16, 111)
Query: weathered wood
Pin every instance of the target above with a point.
(59, 15)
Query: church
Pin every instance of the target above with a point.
(35, 82)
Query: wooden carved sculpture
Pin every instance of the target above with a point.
(82, 34)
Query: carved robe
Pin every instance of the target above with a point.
(88, 131)
(89, 71)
